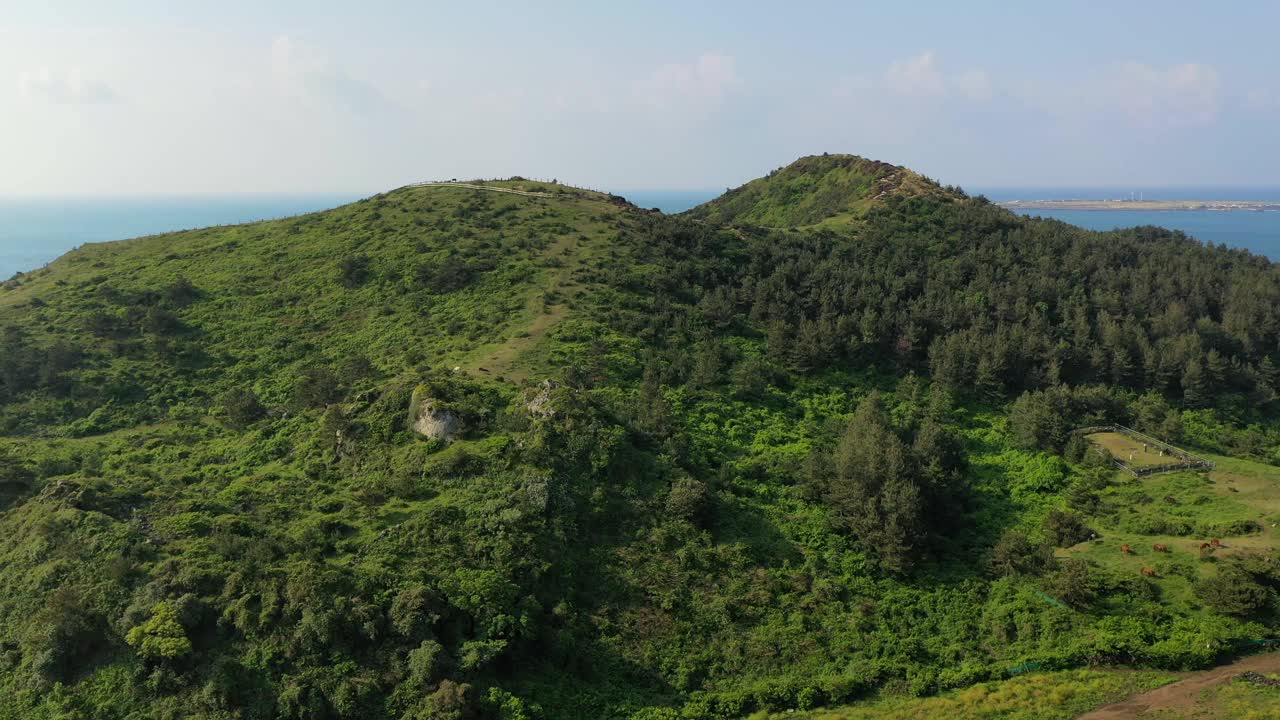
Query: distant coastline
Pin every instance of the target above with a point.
(1145, 205)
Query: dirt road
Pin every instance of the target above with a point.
(1181, 695)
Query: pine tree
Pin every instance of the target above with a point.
(706, 365)
(1267, 376)
(1216, 370)
(1195, 385)
(874, 490)
(989, 378)
(1121, 367)
(653, 412)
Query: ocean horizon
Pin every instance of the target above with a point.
(36, 231)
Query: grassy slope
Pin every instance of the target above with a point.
(159, 472)
(1239, 700)
(1037, 696)
(1237, 491)
(272, 290)
(827, 190)
(1220, 504)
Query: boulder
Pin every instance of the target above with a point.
(429, 418)
(539, 404)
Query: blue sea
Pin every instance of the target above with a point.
(1258, 232)
(35, 231)
(669, 201)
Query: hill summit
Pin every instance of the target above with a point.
(816, 189)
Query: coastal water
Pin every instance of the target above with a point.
(35, 231)
(1257, 232)
(669, 201)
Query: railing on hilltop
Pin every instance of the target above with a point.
(480, 184)
(561, 191)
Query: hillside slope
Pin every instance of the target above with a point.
(456, 453)
(825, 189)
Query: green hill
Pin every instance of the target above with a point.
(457, 452)
(833, 190)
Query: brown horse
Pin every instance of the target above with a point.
(1216, 543)
(1149, 572)
(1160, 547)
(1126, 549)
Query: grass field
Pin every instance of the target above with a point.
(1039, 696)
(1238, 502)
(1128, 450)
(1110, 694)
(1239, 700)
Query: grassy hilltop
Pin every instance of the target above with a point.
(758, 458)
(833, 190)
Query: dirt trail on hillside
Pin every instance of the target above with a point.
(491, 188)
(1181, 695)
(501, 358)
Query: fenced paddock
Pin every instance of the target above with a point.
(1140, 454)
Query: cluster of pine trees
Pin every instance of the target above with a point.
(896, 491)
(980, 298)
(1078, 327)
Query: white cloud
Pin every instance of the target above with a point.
(69, 86)
(291, 58)
(1187, 95)
(707, 80)
(916, 77)
(974, 85)
(302, 70)
(920, 78)
(1131, 96)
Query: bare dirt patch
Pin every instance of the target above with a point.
(1181, 696)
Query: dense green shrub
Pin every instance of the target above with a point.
(1074, 583)
(1233, 592)
(690, 500)
(242, 407)
(161, 637)
(1064, 529)
(1016, 554)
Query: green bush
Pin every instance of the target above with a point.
(161, 637)
(1074, 583)
(1016, 554)
(1064, 529)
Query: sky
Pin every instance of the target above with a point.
(134, 97)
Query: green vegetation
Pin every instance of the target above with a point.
(1240, 699)
(1038, 696)
(832, 190)
(453, 453)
